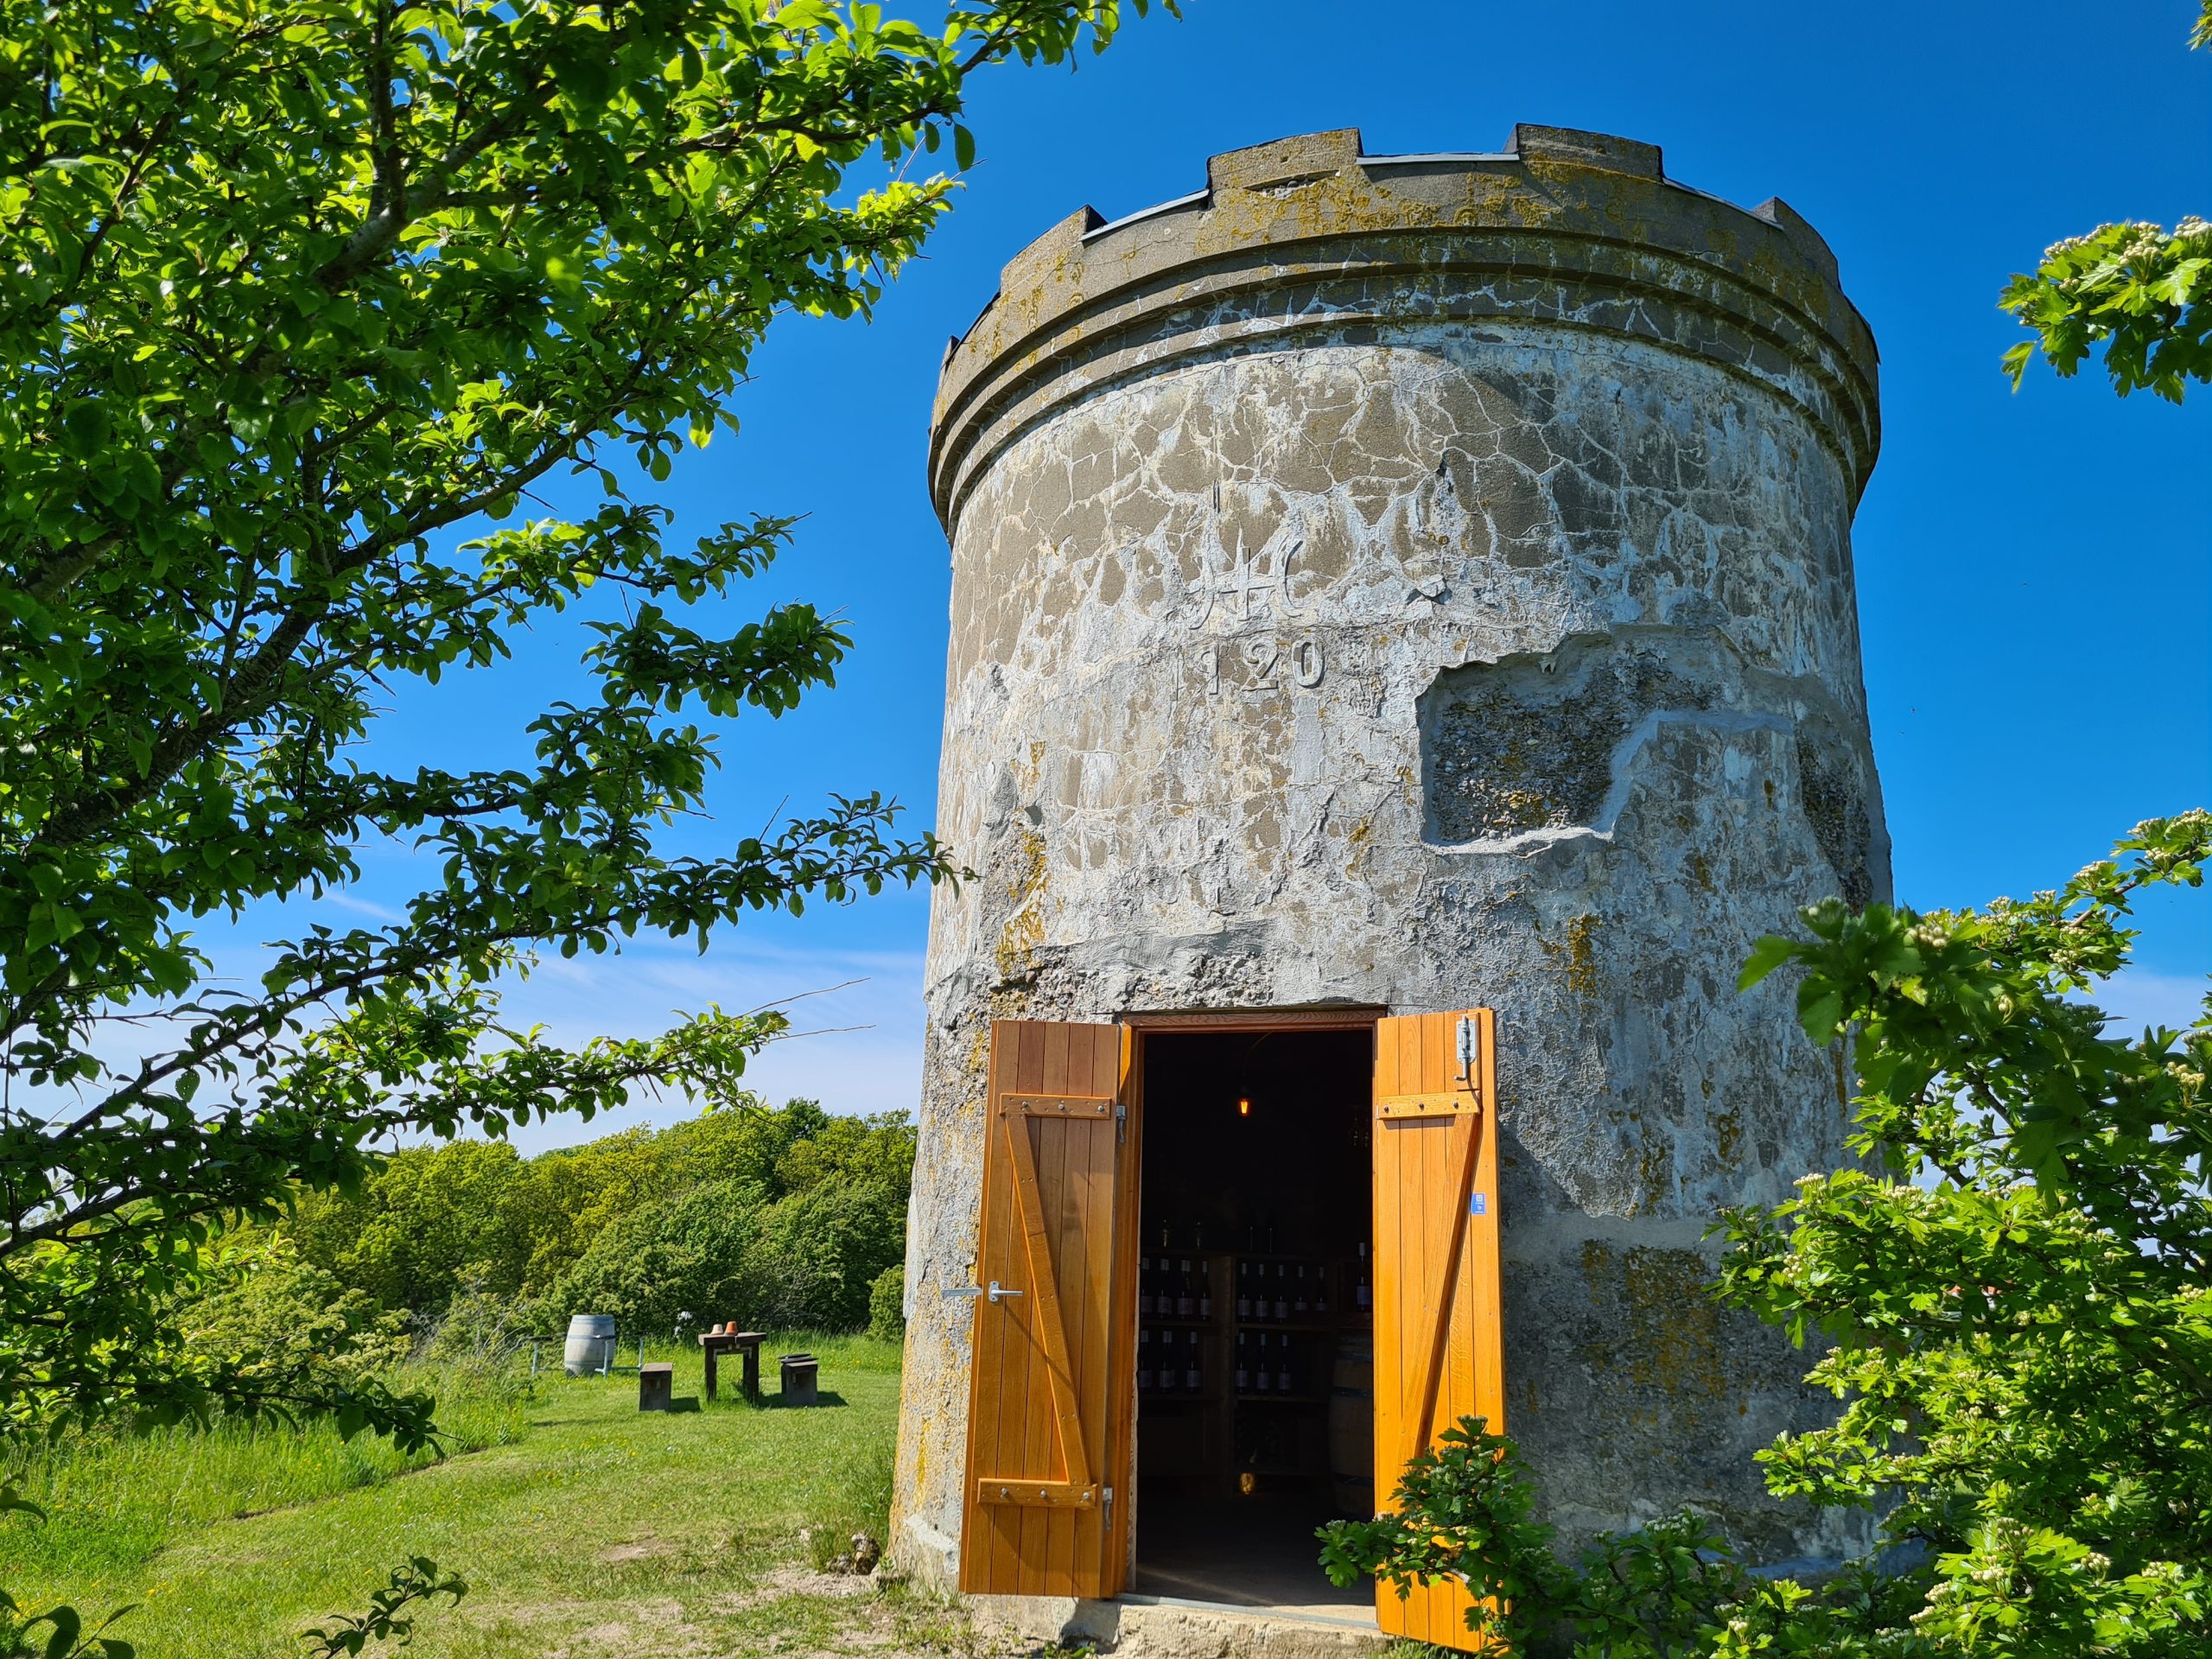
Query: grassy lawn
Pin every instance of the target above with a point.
(582, 1527)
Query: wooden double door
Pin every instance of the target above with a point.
(1053, 1397)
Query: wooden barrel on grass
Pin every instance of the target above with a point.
(589, 1349)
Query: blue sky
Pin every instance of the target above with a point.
(2035, 570)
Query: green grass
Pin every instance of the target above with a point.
(581, 1525)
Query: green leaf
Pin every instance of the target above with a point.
(1768, 955)
(87, 429)
(67, 1625)
(1820, 1010)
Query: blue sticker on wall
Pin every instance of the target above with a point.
(1480, 1204)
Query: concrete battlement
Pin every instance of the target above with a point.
(1581, 229)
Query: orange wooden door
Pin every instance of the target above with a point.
(1438, 1335)
(1047, 1408)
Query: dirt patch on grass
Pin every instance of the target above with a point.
(641, 1549)
(788, 1611)
(784, 1581)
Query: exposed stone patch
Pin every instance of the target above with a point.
(1530, 742)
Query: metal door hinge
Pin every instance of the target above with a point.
(1470, 1049)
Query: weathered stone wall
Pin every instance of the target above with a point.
(1425, 584)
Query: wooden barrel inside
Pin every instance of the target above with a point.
(590, 1347)
(1351, 1424)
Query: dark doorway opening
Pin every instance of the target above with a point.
(1254, 1368)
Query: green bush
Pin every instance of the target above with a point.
(691, 1254)
(820, 1251)
(481, 1330)
(431, 1219)
(886, 1304)
(277, 1320)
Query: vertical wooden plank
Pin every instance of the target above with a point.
(1052, 1533)
(1442, 1203)
(1397, 1194)
(1006, 1396)
(984, 1550)
(1098, 1075)
(1440, 1207)
(1044, 1064)
(1449, 1610)
(1016, 1386)
(1013, 1384)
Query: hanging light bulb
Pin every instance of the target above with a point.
(1244, 1076)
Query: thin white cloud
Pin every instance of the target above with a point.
(864, 1053)
(362, 907)
(2135, 998)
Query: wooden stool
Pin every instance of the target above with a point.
(656, 1387)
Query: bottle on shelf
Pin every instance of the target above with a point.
(1144, 1362)
(1205, 1289)
(1362, 1297)
(1243, 1290)
(1321, 1291)
(1193, 1370)
(1282, 1368)
(1244, 1371)
(1186, 1303)
(1298, 1303)
(1282, 1291)
(1260, 1379)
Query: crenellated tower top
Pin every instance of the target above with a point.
(1584, 229)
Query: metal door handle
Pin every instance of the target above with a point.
(996, 1293)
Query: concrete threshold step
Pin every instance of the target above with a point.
(1170, 1627)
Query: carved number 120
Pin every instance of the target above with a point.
(1267, 665)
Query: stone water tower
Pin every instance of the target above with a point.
(1413, 583)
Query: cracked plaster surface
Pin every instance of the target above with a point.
(1428, 664)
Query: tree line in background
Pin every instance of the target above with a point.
(779, 1218)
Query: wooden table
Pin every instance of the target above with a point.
(715, 1343)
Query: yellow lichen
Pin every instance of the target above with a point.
(1671, 1343)
(1727, 1133)
(1024, 931)
(1579, 960)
